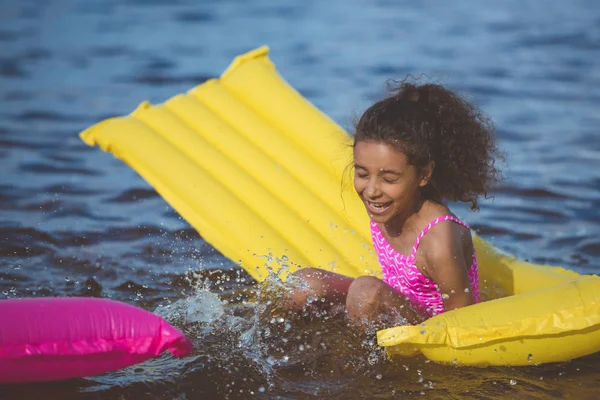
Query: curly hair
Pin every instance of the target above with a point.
(431, 123)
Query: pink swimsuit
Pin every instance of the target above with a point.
(401, 272)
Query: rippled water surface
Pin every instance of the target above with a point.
(75, 221)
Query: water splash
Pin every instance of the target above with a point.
(252, 329)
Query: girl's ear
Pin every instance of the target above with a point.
(426, 173)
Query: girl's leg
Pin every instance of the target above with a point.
(314, 282)
(371, 300)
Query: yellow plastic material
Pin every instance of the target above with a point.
(263, 176)
(557, 323)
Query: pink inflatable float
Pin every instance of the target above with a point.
(48, 339)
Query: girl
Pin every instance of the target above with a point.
(413, 151)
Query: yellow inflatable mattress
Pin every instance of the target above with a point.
(262, 175)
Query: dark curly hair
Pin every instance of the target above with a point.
(428, 122)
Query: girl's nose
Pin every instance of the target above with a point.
(372, 190)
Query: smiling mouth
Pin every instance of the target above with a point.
(377, 208)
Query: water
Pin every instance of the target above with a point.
(75, 221)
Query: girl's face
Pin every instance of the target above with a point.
(385, 181)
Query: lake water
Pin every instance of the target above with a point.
(75, 221)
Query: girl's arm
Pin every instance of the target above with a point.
(447, 265)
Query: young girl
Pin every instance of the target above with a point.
(413, 151)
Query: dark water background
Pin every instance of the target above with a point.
(75, 221)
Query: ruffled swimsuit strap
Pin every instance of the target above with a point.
(413, 253)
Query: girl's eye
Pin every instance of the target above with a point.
(362, 176)
(388, 180)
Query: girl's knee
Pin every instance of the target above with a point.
(364, 296)
(365, 286)
(307, 278)
(307, 283)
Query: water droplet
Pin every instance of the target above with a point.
(261, 389)
(379, 376)
(444, 296)
(372, 359)
(512, 382)
(467, 290)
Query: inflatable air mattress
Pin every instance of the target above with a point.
(53, 338)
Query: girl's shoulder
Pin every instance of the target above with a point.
(444, 232)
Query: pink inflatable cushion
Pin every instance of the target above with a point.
(48, 339)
